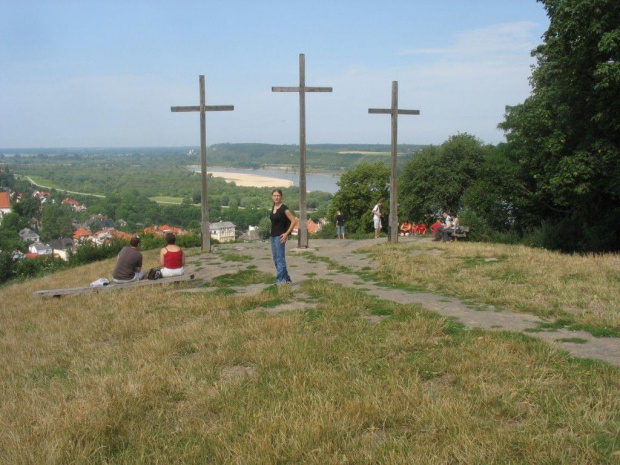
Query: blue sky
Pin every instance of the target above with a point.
(105, 73)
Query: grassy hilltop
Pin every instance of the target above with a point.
(149, 375)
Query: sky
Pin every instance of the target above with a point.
(94, 73)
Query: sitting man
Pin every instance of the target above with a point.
(434, 227)
(129, 264)
(421, 229)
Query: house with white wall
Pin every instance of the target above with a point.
(5, 204)
(223, 231)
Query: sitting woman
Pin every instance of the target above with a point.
(405, 228)
(421, 229)
(171, 258)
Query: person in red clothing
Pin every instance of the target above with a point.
(421, 229)
(171, 258)
(434, 226)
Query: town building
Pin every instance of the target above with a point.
(313, 228)
(40, 248)
(5, 204)
(61, 247)
(81, 234)
(223, 231)
(28, 235)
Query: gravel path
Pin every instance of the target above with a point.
(303, 264)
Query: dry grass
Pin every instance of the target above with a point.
(145, 376)
(580, 290)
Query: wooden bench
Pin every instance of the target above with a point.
(462, 234)
(110, 287)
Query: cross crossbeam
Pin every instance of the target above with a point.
(394, 112)
(302, 89)
(204, 197)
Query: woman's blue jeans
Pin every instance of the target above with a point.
(278, 251)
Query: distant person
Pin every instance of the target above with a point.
(339, 225)
(447, 232)
(405, 228)
(376, 218)
(171, 258)
(282, 224)
(447, 224)
(129, 264)
(421, 229)
(434, 227)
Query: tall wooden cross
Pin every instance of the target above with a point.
(302, 89)
(394, 111)
(203, 108)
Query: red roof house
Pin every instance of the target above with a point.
(81, 233)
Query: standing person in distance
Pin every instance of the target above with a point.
(129, 264)
(171, 258)
(282, 224)
(376, 218)
(339, 225)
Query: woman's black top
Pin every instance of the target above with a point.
(340, 220)
(279, 221)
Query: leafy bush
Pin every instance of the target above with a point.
(31, 267)
(328, 231)
(192, 240)
(7, 267)
(89, 252)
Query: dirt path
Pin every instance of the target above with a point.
(303, 267)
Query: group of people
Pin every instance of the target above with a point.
(410, 229)
(129, 263)
(172, 258)
(443, 231)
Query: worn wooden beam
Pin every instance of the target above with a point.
(394, 112)
(387, 111)
(205, 245)
(109, 287)
(302, 238)
(207, 108)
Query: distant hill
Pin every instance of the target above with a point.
(319, 157)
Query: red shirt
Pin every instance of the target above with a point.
(173, 260)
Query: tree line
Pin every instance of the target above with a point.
(555, 183)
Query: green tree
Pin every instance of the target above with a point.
(264, 227)
(436, 178)
(28, 207)
(566, 135)
(359, 190)
(56, 221)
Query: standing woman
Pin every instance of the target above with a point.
(171, 258)
(282, 224)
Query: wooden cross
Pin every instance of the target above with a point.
(394, 111)
(302, 89)
(203, 108)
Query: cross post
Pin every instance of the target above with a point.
(302, 241)
(205, 243)
(394, 111)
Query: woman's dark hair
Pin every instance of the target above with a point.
(279, 191)
(170, 238)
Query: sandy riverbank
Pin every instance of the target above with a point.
(251, 180)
